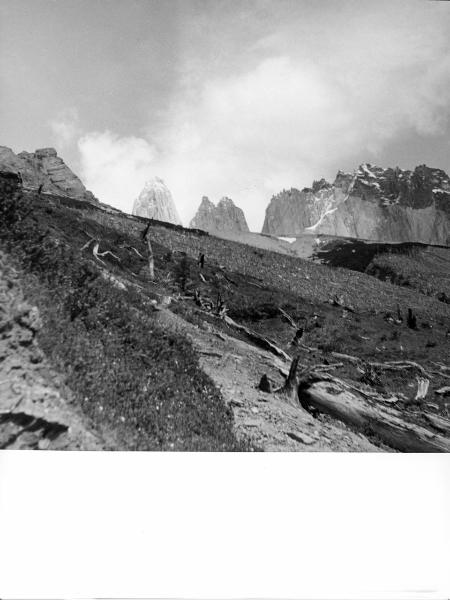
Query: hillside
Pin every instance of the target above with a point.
(175, 363)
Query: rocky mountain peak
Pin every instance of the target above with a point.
(45, 153)
(45, 168)
(226, 216)
(321, 184)
(372, 203)
(206, 204)
(155, 202)
(226, 202)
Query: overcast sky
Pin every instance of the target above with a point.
(227, 97)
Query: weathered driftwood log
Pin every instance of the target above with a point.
(393, 427)
(97, 253)
(96, 249)
(257, 339)
(392, 365)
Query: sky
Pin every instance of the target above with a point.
(225, 97)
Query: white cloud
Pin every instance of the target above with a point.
(300, 114)
(65, 127)
(318, 94)
(115, 168)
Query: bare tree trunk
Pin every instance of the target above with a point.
(151, 262)
(289, 389)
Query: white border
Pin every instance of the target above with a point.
(207, 526)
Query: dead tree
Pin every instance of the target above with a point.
(264, 384)
(151, 262)
(411, 320)
(289, 390)
(220, 305)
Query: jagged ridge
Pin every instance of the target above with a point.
(390, 205)
(226, 216)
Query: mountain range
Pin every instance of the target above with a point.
(372, 203)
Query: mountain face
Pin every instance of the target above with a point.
(226, 216)
(372, 203)
(44, 167)
(156, 202)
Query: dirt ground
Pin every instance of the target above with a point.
(264, 418)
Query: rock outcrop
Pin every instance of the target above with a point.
(226, 216)
(45, 168)
(156, 202)
(372, 203)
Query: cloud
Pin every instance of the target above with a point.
(318, 99)
(323, 90)
(65, 127)
(115, 168)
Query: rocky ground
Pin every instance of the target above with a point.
(36, 408)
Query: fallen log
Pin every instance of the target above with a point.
(393, 365)
(136, 251)
(394, 428)
(257, 339)
(444, 390)
(288, 318)
(97, 253)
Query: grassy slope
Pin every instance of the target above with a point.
(253, 283)
(418, 266)
(128, 374)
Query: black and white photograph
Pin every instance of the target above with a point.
(225, 226)
(225, 298)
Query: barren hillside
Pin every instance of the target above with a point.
(176, 362)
